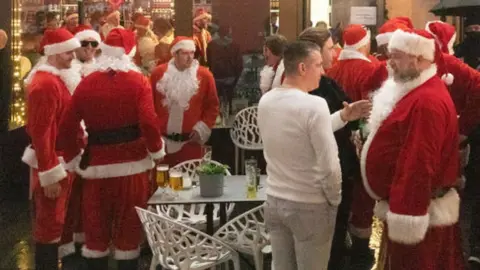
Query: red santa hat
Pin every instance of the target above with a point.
(182, 43)
(419, 43)
(385, 32)
(58, 41)
(355, 36)
(201, 13)
(143, 22)
(83, 32)
(118, 43)
(444, 33)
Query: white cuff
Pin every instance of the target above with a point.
(337, 122)
(203, 130)
(126, 254)
(52, 176)
(160, 153)
(72, 164)
(405, 229)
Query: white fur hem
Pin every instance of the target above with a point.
(121, 64)
(86, 34)
(72, 164)
(126, 254)
(54, 175)
(117, 170)
(445, 211)
(266, 78)
(383, 39)
(381, 210)
(30, 158)
(352, 54)
(364, 41)
(363, 233)
(203, 130)
(405, 229)
(160, 153)
(94, 254)
(112, 51)
(62, 47)
(66, 249)
(79, 237)
(188, 45)
(413, 44)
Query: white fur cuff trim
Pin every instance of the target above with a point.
(86, 34)
(126, 254)
(352, 54)
(381, 210)
(188, 45)
(383, 39)
(30, 157)
(413, 44)
(72, 164)
(66, 249)
(363, 233)
(112, 51)
(445, 211)
(159, 154)
(117, 170)
(405, 229)
(52, 176)
(62, 47)
(266, 78)
(203, 130)
(364, 41)
(79, 237)
(94, 254)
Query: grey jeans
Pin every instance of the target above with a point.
(301, 233)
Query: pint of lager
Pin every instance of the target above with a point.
(176, 180)
(162, 176)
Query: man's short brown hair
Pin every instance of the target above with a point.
(276, 44)
(296, 52)
(316, 35)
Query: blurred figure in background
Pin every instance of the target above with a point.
(71, 21)
(146, 43)
(165, 34)
(271, 75)
(112, 22)
(201, 36)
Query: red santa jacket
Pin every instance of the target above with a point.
(411, 156)
(112, 100)
(47, 100)
(465, 91)
(357, 75)
(198, 107)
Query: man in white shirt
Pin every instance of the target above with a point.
(304, 177)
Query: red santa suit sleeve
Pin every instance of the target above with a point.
(210, 106)
(42, 106)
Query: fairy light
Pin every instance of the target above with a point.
(17, 107)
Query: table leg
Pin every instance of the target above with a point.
(209, 213)
(223, 214)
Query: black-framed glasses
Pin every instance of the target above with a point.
(85, 44)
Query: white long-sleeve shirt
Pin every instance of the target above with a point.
(299, 147)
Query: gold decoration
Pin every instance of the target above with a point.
(25, 66)
(376, 240)
(17, 106)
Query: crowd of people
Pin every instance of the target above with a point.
(404, 161)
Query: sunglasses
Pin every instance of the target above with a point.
(85, 44)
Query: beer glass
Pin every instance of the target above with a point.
(162, 176)
(176, 180)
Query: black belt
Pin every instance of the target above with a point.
(109, 137)
(178, 137)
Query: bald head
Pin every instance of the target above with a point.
(3, 39)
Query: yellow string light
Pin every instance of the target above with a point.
(17, 107)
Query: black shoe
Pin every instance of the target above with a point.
(74, 262)
(97, 264)
(474, 263)
(46, 256)
(127, 264)
(362, 257)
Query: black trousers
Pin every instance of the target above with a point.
(472, 192)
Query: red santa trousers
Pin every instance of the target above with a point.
(440, 250)
(361, 211)
(109, 215)
(189, 151)
(74, 214)
(50, 215)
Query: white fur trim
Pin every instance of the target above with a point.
(121, 64)
(94, 254)
(41, 61)
(277, 80)
(66, 249)
(384, 101)
(266, 78)
(474, 259)
(444, 211)
(448, 78)
(111, 50)
(133, 52)
(363, 233)
(412, 44)
(347, 54)
(62, 47)
(72, 76)
(126, 254)
(87, 34)
(79, 237)
(450, 44)
(54, 175)
(383, 39)
(30, 158)
(381, 209)
(363, 42)
(117, 169)
(407, 229)
(159, 154)
(188, 45)
(203, 130)
(73, 164)
(56, 240)
(201, 16)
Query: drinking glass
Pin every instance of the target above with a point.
(162, 176)
(176, 180)
(207, 153)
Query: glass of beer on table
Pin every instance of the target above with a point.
(162, 176)
(176, 179)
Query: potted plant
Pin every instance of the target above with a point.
(211, 177)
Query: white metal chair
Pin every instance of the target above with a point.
(245, 133)
(193, 215)
(247, 234)
(177, 246)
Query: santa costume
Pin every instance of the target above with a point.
(115, 102)
(272, 77)
(201, 36)
(413, 176)
(354, 71)
(385, 32)
(444, 33)
(86, 33)
(145, 56)
(185, 101)
(47, 100)
(112, 22)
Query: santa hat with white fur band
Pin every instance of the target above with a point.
(182, 43)
(356, 36)
(58, 41)
(419, 43)
(84, 32)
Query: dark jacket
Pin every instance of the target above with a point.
(334, 95)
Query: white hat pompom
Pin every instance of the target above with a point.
(447, 78)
